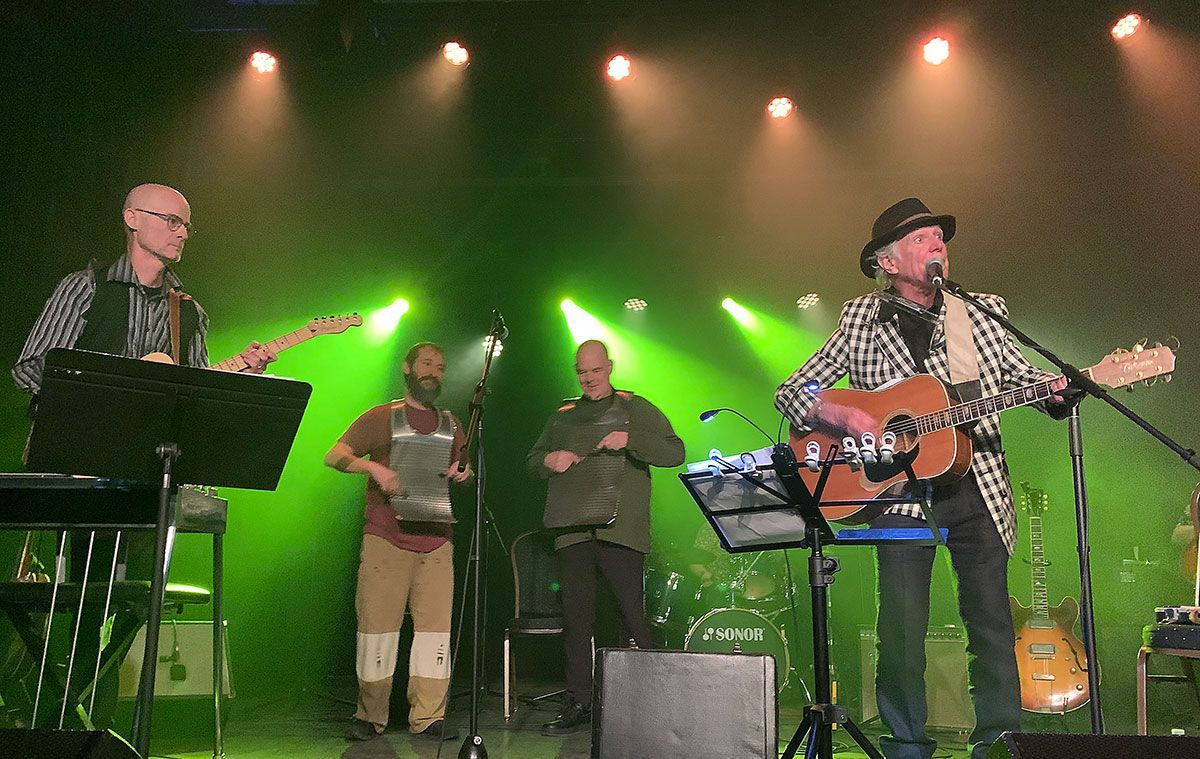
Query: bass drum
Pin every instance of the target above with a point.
(721, 630)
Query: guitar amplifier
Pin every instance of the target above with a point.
(1068, 746)
(44, 743)
(1177, 615)
(1172, 636)
(683, 705)
(945, 678)
(185, 661)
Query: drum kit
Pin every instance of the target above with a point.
(740, 609)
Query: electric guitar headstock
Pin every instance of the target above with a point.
(1033, 500)
(1143, 364)
(333, 325)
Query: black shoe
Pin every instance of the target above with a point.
(438, 731)
(574, 718)
(361, 730)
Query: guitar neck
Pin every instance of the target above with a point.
(1039, 599)
(276, 346)
(964, 413)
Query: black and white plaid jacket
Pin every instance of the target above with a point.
(873, 353)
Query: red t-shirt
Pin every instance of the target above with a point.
(371, 436)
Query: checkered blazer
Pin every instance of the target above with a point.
(873, 353)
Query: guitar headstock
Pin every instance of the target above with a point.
(1033, 500)
(334, 325)
(1143, 363)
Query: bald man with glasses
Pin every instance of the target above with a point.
(122, 308)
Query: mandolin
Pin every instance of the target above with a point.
(1051, 661)
(324, 325)
(929, 428)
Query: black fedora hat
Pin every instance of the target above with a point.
(897, 221)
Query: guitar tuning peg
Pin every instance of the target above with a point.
(1168, 377)
(1173, 343)
(1129, 387)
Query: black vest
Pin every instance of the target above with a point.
(107, 319)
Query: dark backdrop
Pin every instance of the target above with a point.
(365, 171)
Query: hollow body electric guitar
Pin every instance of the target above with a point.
(324, 325)
(929, 428)
(1051, 661)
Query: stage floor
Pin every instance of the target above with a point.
(313, 726)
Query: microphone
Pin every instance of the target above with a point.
(499, 329)
(709, 414)
(935, 269)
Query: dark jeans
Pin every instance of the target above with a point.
(622, 568)
(980, 562)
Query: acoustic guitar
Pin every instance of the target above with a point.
(324, 325)
(929, 428)
(1051, 662)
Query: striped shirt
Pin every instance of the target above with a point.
(62, 321)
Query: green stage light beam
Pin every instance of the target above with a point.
(780, 346)
(383, 322)
(740, 313)
(582, 325)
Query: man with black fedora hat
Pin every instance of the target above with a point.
(908, 327)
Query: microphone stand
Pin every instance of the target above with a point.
(473, 746)
(1075, 445)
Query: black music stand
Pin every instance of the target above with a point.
(124, 418)
(770, 507)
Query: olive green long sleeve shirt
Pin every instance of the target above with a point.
(652, 442)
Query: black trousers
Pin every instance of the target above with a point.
(980, 563)
(579, 565)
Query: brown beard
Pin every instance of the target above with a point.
(419, 392)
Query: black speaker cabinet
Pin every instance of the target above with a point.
(685, 705)
(1068, 746)
(17, 743)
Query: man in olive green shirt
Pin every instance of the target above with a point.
(618, 552)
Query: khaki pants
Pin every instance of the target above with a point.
(389, 578)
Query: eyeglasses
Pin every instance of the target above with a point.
(173, 222)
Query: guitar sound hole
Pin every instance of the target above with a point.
(905, 430)
(907, 447)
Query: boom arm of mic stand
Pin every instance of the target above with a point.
(477, 398)
(1074, 375)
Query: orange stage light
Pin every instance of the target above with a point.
(1125, 28)
(781, 107)
(619, 67)
(456, 54)
(937, 50)
(263, 62)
